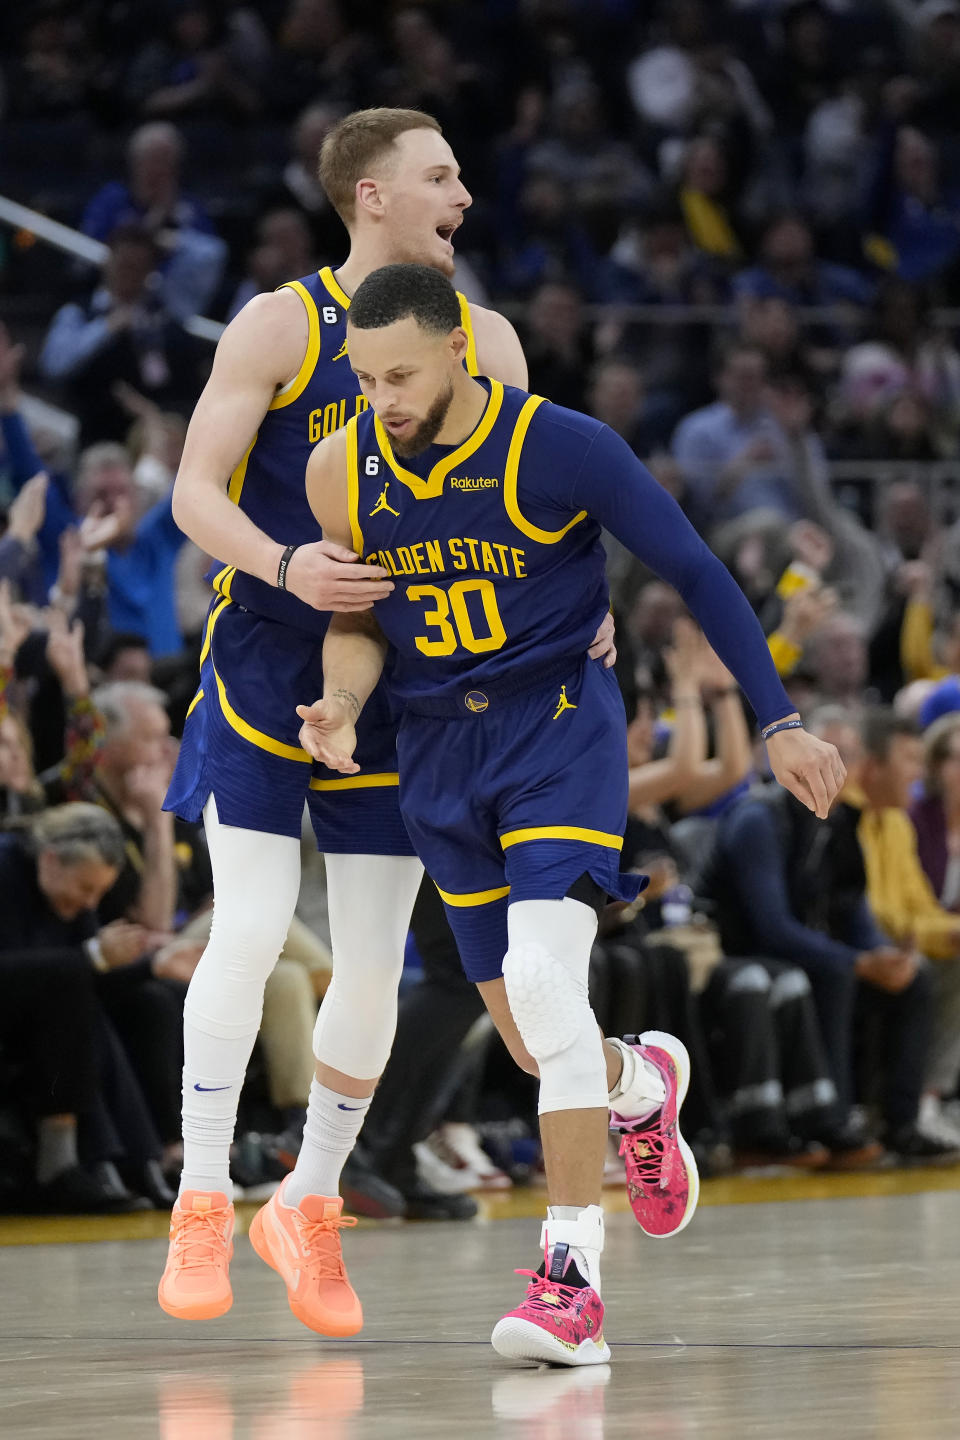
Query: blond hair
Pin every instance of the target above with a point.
(355, 143)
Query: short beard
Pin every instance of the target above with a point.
(428, 429)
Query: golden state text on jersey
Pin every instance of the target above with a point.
(495, 571)
(269, 483)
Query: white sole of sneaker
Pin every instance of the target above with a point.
(681, 1058)
(517, 1339)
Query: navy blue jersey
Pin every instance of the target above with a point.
(495, 545)
(495, 574)
(269, 483)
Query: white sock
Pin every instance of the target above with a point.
(582, 1230)
(640, 1091)
(330, 1133)
(209, 1118)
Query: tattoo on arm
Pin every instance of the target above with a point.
(348, 697)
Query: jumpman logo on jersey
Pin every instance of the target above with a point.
(563, 703)
(383, 504)
(341, 352)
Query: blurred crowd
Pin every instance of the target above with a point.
(731, 231)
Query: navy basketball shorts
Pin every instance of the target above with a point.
(515, 800)
(240, 743)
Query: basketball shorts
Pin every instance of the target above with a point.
(240, 743)
(515, 799)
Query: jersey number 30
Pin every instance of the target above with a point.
(450, 618)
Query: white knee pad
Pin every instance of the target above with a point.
(370, 901)
(548, 1001)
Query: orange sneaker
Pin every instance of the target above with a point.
(196, 1281)
(302, 1243)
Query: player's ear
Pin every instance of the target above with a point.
(457, 340)
(368, 197)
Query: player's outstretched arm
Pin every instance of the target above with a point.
(614, 487)
(259, 352)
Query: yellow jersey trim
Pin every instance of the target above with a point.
(561, 832)
(432, 487)
(477, 897)
(466, 320)
(298, 384)
(353, 485)
(212, 620)
(235, 486)
(358, 782)
(194, 703)
(511, 471)
(329, 280)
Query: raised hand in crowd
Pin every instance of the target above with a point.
(16, 622)
(27, 510)
(65, 653)
(805, 611)
(811, 545)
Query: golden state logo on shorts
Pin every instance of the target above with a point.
(476, 701)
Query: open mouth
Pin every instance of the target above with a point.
(446, 233)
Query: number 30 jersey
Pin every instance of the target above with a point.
(499, 577)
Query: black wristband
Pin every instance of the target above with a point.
(285, 559)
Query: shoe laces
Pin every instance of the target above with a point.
(540, 1288)
(646, 1149)
(200, 1238)
(326, 1261)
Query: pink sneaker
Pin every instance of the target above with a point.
(557, 1324)
(662, 1179)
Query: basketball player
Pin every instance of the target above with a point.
(281, 381)
(486, 504)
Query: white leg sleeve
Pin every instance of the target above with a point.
(545, 973)
(256, 880)
(370, 901)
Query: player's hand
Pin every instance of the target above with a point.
(809, 768)
(328, 734)
(604, 644)
(330, 577)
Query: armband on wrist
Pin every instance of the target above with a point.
(779, 725)
(285, 559)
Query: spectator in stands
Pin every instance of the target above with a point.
(121, 332)
(132, 560)
(298, 186)
(838, 660)
(936, 812)
(901, 896)
(51, 77)
(50, 885)
(914, 216)
(202, 65)
(190, 255)
(733, 454)
(557, 344)
(282, 250)
(705, 199)
(789, 269)
(791, 888)
(543, 242)
(124, 656)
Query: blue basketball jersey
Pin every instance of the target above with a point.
(269, 483)
(499, 581)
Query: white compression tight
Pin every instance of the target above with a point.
(256, 880)
(370, 900)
